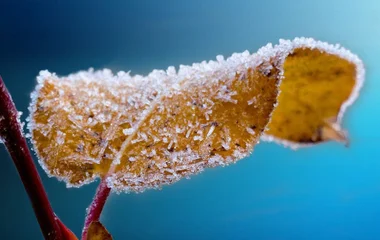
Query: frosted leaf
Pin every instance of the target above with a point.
(143, 132)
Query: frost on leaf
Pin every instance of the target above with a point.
(143, 132)
(319, 82)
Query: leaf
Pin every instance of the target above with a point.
(143, 132)
(97, 231)
(320, 81)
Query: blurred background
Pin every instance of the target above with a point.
(324, 192)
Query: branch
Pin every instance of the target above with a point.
(96, 207)
(12, 136)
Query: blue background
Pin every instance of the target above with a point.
(324, 192)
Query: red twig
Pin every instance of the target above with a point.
(11, 135)
(96, 207)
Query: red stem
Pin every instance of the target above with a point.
(11, 135)
(96, 207)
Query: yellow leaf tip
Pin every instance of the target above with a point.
(319, 80)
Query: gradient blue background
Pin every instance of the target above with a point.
(325, 192)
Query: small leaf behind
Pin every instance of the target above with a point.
(96, 231)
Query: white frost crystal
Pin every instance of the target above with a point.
(128, 131)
